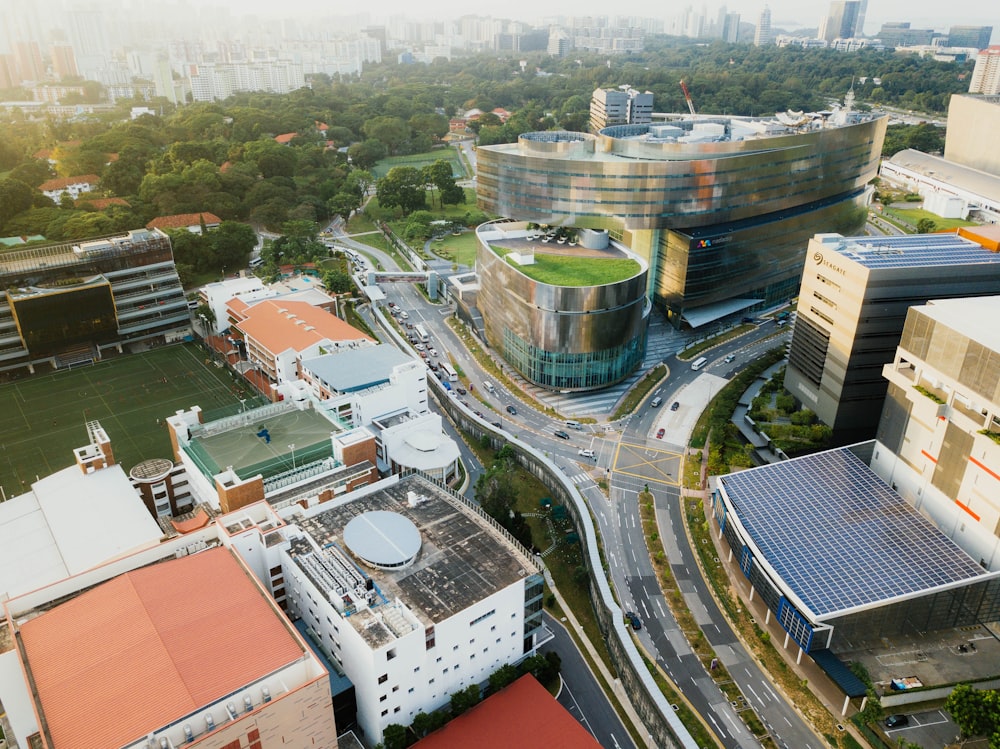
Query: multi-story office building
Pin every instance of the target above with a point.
(899, 34)
(762, 35)
(986, 74)
(65, 303)
(842, 22)
(852, 304)
(970, 36)
(412, 592)
(708, 203)
(620, 106)
(973, 138)
(941, 421)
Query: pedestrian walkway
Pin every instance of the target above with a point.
(760, 442)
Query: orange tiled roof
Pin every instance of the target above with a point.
(199, 520)
(60, 182)
(102, 203)
(43, 153)
(284, 137)
(183, 221)
(281, 325)
(322, 125)
(530, 716)
(150, 646)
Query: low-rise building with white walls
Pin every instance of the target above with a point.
(412, 591)
(409, 441)
(949, 189)
(145, 651)
(941, 421)
(72, 520)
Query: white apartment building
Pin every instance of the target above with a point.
(410, 590)
(986, 74)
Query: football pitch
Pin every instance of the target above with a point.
(43, 417)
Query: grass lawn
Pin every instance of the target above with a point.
(44, 416)
(913, 215)
(459, 249)
(568, 270)
(420, 160)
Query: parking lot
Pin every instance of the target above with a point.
(933, 728)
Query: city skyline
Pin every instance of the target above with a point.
(785, 14)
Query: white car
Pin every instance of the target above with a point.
(432, 351)
(403, 315)
(420, 347)
(587, 454)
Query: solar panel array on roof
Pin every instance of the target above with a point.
(839, 537)
(915, 250)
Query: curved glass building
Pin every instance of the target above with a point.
(569, 314)
(720, 208)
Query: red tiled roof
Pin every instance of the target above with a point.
(284, 137)
(524, 715)
(281, 325)
(322, 125)
(43, 153)
(60, 182)
(150, 646)
(199, 520)
(101, 203)
(183, 221)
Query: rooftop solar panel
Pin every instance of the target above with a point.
(839, 537)
(915, 250)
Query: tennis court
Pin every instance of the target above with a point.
(268, 446)
(43, 417)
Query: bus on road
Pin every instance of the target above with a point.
(422, 333)
(450, 374)
(698, 363)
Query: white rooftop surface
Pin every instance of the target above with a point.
(425, 450)
(355, 369)
(69, 523)
(975, 317)
(385, 539)
(15, 698)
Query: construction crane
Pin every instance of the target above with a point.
(687, 97)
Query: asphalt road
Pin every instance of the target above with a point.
(631, 459)
(581, 694)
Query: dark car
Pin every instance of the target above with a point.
(675, 405)
(512, 411)
(561, 434)
(633, 620)
(461, 391)
(660, 432)
(896, 721)
(498, 425)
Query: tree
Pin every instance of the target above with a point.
(337, 282)
(393, 132)
(232, 242)
(465, 699)
(15, 197)
(495, 490)
(506, 674)
(926, 226)
(975, 711)
(395, 736)
(402, 187)
(365, 154)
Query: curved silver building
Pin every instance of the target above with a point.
(721, 208)
(557, 333)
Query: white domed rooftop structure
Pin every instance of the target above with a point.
(384, 540)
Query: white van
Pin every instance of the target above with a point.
(574, 424)
(655, 403)
(489, 386)
(256, 262)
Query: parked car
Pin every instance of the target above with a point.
(633, 620)
(897, 721)
(432, 352)
(461, 391)
(403, 315)
(675, 405)
(660, 432)
(512, 411)
(729, 358)
(561, 434)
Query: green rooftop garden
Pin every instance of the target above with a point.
(571, 270)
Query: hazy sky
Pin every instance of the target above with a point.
(933, 14)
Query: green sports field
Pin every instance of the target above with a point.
(420, 160)
(43, 417)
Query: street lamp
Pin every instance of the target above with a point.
(292, 448)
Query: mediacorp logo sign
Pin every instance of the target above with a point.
(701, 244)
